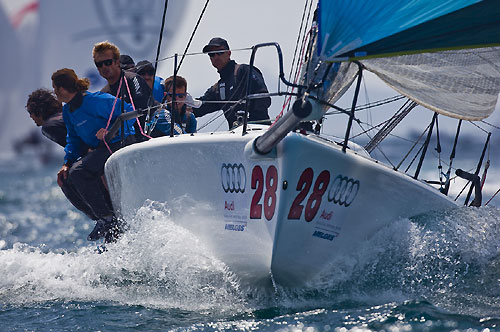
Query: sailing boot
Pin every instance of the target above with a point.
(116, 230)
(102, 227)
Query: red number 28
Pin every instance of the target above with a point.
(314, 201)
(271, 183)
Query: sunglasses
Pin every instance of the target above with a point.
(107, 62)
(216, 53)
(177, 95)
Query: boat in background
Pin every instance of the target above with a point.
(44, 36)
(284, 202)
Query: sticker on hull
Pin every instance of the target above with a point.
(317, 197)
(234, 185)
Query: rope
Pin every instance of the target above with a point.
(492, 197)
(157, 51)
(438, 149)
(483, 179)
(133, 107)
(192, 35)
(111, 115)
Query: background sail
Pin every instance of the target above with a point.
(58, 34)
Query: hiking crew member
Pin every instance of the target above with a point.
(86, 116)
(232, 86)
(107, 60)
(46, 111)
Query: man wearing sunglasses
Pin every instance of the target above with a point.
(232, 86)
(184, 119)
(107, 60)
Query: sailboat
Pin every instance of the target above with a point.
(282, 202)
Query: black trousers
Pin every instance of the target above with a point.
(84, 186)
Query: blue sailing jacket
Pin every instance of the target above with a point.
(158, 89)
(85, 115)
(162, 124)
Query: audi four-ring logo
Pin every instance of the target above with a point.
(233, 178)
(343, 190)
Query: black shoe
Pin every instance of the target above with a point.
(115, 231)
(100, 229)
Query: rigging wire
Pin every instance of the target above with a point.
(296, 78)
(489, 124)
(192, 34)
(160, 39)
(476, 125)
(150, 97)
(297, 44)
(199, 53)
(403, 111)
(304, 36)
(370, 105)
(378, 148)
(369, 118)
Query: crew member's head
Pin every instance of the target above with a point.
(41, 105)
(218, 51)
(107, 60)
(126, 62)
(180, 90)
(146, 70)
(66, 84)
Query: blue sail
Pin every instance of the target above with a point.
(352, 28)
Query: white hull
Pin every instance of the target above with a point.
(343, 198)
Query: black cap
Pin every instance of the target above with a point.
(217, 41)
(143, 67)
(126, 62)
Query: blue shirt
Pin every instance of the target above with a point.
(164, 120)
(158, 89)
(83, 122)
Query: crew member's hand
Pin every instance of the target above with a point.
(62, 175)
(190, 101)
(101, 133)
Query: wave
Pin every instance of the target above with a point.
(156, 264)
(449, 259)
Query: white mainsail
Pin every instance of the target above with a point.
(463, 84)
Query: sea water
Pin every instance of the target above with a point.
(435, 272)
